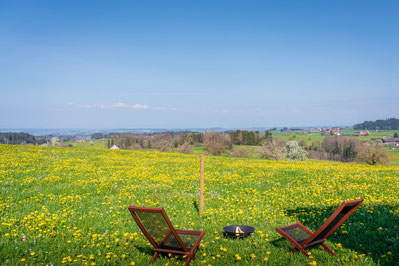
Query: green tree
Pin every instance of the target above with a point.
(268, 135)
(110, 143)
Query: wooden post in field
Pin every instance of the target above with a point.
(201, 201)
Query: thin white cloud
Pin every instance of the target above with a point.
(133, 106)
(81, 106)
(87, 106)
(140, 106)
(120, 105)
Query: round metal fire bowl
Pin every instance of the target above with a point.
(231, 230)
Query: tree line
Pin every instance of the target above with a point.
(19, 138)
(170, 140)
(26, 138)
(346, 149)
(267, 146)
(388, 124)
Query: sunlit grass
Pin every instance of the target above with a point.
(62, 205)
(98, 144)
(395, 157)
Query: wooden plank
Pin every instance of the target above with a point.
(202, 181)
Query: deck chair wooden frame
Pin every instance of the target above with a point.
(302, 243)
(182, 250)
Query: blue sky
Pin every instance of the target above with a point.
(180, 64)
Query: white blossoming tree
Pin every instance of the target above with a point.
(295, 152)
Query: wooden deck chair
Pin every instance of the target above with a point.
(302, 238)
(156, 226)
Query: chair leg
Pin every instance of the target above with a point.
(326, 248)
(154, 257)
(188, 260)
(294, 250)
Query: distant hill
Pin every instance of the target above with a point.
(16, 138)
(388, 124)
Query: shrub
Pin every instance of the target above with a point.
(54, 141)
(186, 147)
(303, 143)
(162, 145)
(295, 152)
(242, 152)
(124, 141)
(317, 154)
(272, 149)
(373, 153)
(316, 146)
(214, 143)
(135, 146)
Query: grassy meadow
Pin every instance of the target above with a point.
(97, 144)
(69, 206)
(316, 136)
(297, 135)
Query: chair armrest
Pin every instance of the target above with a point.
(189, 232)
(289, 226)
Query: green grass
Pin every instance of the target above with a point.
(98, 144)
(298, 137)
(372, 134)
(252, 149)
(198, 149)
(395, 157)
(101, 144)
(70, 205)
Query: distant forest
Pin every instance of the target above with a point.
(388, 124)
(17, 138)
(147, 141)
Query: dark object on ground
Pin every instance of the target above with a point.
(156, 226)
(302, 238)
(239, 230)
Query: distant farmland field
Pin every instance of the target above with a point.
(61, 205)
(99, 144)
(395, 157)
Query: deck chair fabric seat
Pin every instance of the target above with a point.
(302, 238)
(188, 239)
(156, 226)
(296, 232)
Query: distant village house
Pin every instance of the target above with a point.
(363, 133)
(390, 140)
